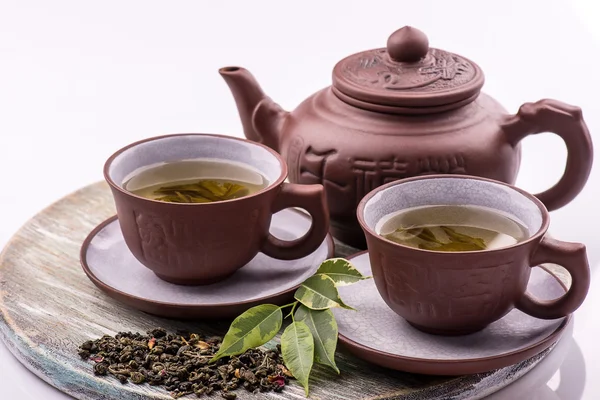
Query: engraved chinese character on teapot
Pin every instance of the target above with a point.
(402, 111)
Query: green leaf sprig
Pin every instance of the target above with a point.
(312, 335)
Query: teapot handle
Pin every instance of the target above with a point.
(566, 121)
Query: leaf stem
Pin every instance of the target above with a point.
(293, 309)
(288, 305)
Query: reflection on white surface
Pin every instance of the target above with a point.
(572, 375)
(565, 358)
(544, 393)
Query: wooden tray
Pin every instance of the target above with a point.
(48, 307)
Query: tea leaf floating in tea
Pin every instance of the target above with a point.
(204, 191)
(456, 246)
(424, 234)
(457, 241)
(457, 237)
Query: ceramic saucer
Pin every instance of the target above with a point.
(110, 265)
(378, 335)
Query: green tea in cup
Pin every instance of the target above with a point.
(452, 228)
(195, 181)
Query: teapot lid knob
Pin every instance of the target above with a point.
(407, 44)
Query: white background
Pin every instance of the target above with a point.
(80, 79)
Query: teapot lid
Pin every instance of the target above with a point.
(407, 76)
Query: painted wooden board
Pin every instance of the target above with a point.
(48, 307)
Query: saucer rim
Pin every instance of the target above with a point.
(184, 311)
(428, 366)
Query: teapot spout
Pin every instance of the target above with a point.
(261, 117)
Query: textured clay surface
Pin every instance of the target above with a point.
(377, 327)
(111, 262)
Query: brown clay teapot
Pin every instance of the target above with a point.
(402, 111)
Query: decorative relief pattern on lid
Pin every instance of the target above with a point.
(439, 71)
(408, 73)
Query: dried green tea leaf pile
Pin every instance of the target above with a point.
(203, 191)
(180, 363)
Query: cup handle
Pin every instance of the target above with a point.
(312, 199)
(572, 257)
(567, 122)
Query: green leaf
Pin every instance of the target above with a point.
(297, 349)
(324, 329)
(253, 328)
(341, 271)
(319, 293)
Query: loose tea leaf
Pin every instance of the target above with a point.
(235, 190)
(324, 330)
(188, 187)
(253, 328)
(319, 293)
(455, 241)
(402, 234)
(297, 349)
(462, 238)
(216, 189)
(341, 271)
(424, 234)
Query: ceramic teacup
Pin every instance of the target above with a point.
(204, 243)
(452, 293)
